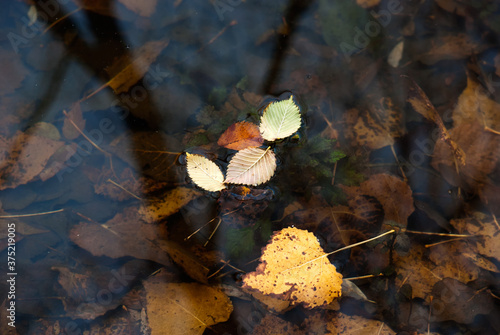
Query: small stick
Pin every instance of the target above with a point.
(437, 243)
(363, 277)
(436, 234)
(28, 215)
(213, 232)
(124, 189)
(344, 248)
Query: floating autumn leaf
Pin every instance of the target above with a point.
(280, 119)
(252, 166)
(241, 135)
(294, 267)
(205, 173)
(184, 308)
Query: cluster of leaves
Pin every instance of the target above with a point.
(251, 165)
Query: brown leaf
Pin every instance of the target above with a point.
(13, 71)
(339, 323)
(481, 152)
(153, 153)
(241, 135)
(422, 105)
(127, 72)
(24, 157)
(460, 303)
(184, 308)
(186, 259)
(487, 242)
(450, 47)
(126, 234)
(159, 209)
(475, 105)
(143, 8)
(272, 324)
(374, 126)
(294, 267)
(394, 194)
(75, 114)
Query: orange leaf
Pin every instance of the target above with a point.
(241, 135)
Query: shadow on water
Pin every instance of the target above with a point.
(99, 104)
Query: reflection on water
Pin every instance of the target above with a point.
(107, 233)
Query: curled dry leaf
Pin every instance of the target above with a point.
(252, 166)
(205, 173)
(241, 135)
(280, 119)
(294, 267)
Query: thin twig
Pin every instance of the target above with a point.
(28, 215)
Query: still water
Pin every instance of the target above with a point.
(391, 180)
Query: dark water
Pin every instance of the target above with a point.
(144, 82)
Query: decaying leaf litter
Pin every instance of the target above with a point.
(102, 208)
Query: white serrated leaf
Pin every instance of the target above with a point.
(205, 173)
(280, 119)
(251, 166)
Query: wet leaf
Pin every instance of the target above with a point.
(450, 47)
(159, 209)
(481, 152)
(252, 166)
(293, 267)
(241, 135)
(272, 324)
(485, 229)
(127, 72)
(422, 105)
(75, 115)
(152, 154)
(375, 125)
(205, 173)
(126, 234)
(460, 303)
(143, 8)
(339, 323)
(280, 119)
(24, 157)
(394, 194)
(184, 308)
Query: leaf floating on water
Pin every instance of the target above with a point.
(205, 173)
(293, 266)
(241, 135)
(280, 119)
(252, 166)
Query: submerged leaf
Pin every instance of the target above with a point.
(280, 119)
(204, 173)
(252, 166)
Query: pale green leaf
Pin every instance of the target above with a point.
(205, 173)
(251, 166)
(280, 119)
